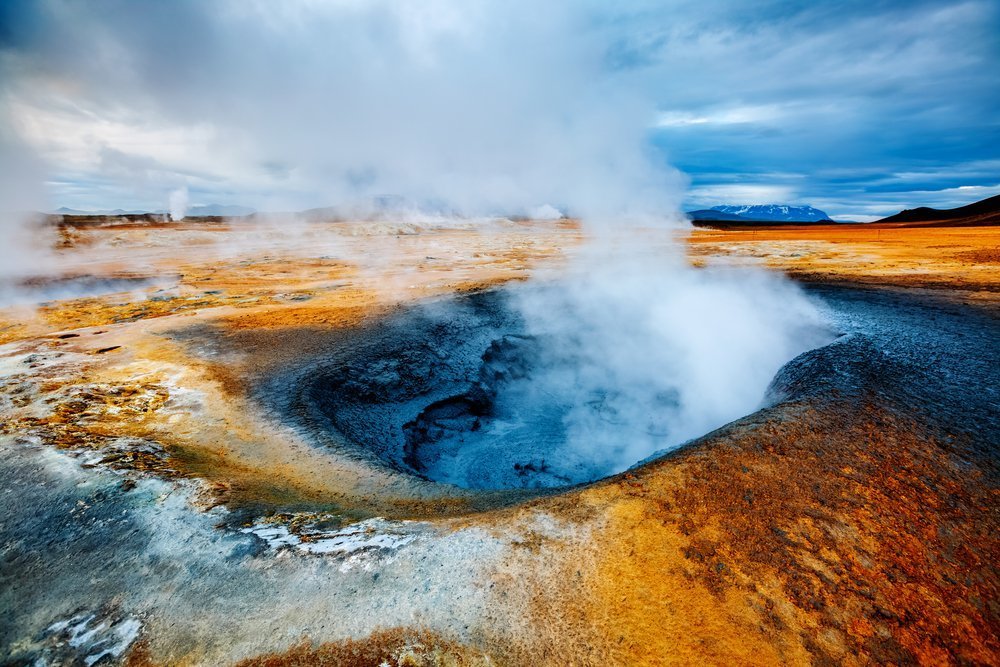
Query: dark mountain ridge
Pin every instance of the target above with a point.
(984, 211)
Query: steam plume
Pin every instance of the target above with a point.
(646, 352)
(178, 204)
(471, 108)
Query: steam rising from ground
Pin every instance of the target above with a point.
(646, 352)
(178, 204)
(26, 243)
(472, 108)
(626, 353)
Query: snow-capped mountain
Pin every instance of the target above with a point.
(774, 212)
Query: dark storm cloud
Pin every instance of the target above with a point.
(812, 90)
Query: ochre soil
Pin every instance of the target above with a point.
(966, 259)
(844, 535)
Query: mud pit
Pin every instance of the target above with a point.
(444, 392)
(462, 392)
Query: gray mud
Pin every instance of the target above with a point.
(444, 391)
(917, 354)
(457, 392)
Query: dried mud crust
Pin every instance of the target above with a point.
(852, 521)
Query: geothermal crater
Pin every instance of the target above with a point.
(461, 392)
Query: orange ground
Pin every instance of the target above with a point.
(951, 258)
(857, 524)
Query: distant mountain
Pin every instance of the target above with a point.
(984, 211)
(118, 211)
(224, 210)
(218, 210)
(774, 213)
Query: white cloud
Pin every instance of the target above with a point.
(882, 204)
(741, 193)
(738, 115)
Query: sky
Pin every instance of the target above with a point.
(858, 108)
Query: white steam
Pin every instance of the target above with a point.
(546, 212)
(481, 109)
(178, 204)
(646, 352)
(26, 242)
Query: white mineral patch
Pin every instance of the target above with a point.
(118, 446)
(19, 360)
(182, 399)
(275, 536)
(94, 641)
(390, 573)
(361, 544)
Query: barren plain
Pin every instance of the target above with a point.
(169, 499)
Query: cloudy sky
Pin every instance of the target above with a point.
(858, 108)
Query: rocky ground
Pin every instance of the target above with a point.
(167, 498)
